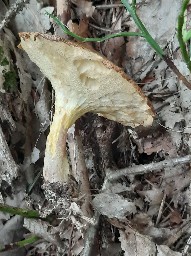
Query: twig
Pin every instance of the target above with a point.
(160, 209)
(70, 241)
(13, 10)
(108, 6)
(176, 71)
(104, 29)
(91, 235)
(142, 169)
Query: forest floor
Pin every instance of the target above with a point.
(147, 211)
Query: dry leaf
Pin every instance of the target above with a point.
(113, 205)
(154, 145)
(153, 196)
(135, 244)
(175, 217)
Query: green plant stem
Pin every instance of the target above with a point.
(19, 211)
(142, 28)
(87, 39)
(182, 44)
(31, 214)
(134, 4)
(30, 240)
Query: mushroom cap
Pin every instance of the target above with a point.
(84, 81)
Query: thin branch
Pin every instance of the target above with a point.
(108, 6)
(161, 209)
(12, 12)
(104, 29)
(91, 236)
(146, 168)
(176, 71)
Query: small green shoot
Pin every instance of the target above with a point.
(22, 243)
(181, 34)
(26, 213)
(19, 211)
(30, 240)
(186, 34)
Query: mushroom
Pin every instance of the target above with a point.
(83, 81)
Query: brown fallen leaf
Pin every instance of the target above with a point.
(175, 217)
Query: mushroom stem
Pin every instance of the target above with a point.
(56, 166)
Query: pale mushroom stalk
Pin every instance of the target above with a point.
(83, 81)
(56, 155)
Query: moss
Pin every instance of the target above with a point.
(10, 76)
(4, 62)
(10, 81)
